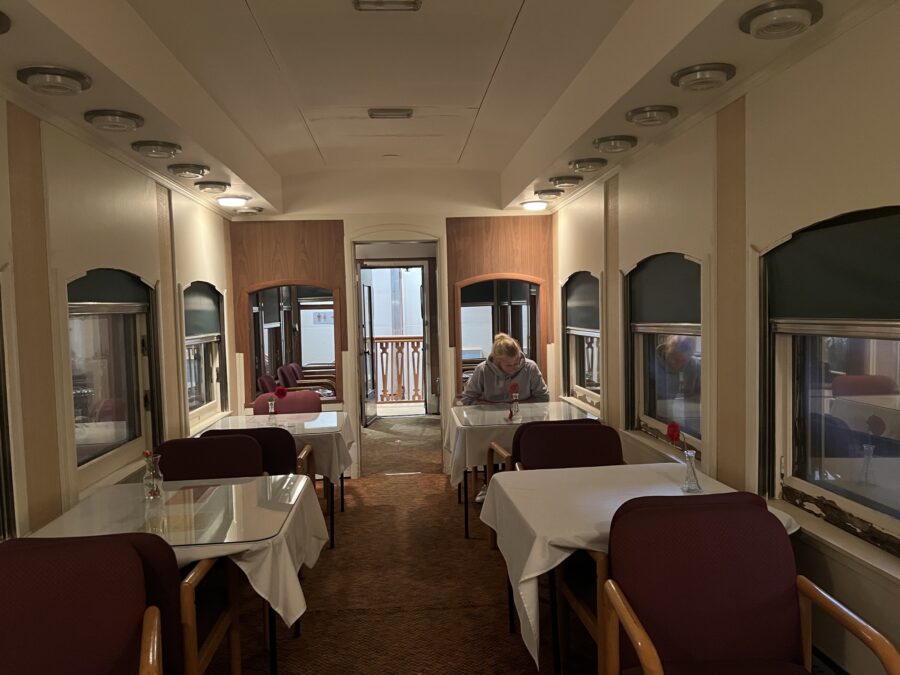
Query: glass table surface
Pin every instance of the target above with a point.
(296, 423)
(497, 414)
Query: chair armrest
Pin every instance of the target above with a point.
(878, 643)
(303, 459)
(520, 466)
(500, 453)
(618, 610)
(151, 643)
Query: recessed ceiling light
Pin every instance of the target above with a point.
(652, 115)
(614, 144)
(54, 81)
(703, 76)
(549, 194)
(249, 210)
(390, 113)
(113, 120)
(212, 187)
(156, 149)
(781, 18)
(587, 164)
(233, 200)
(188, 170)
(566, 181)
(387, 5)
(534, 205)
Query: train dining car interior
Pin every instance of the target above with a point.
(449, 336)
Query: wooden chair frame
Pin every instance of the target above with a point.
(197, 657)
(151, 643)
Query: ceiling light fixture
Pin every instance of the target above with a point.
(534, 205)
(703, 76)
(549, 194)
(113, 120)
(54, 81)
(566, 181)
(249, 210)
(5, 23)
(652, 115)
(614, 144)
(587, 164)
(780, 19)
(233, 200)
(156, 149)
(188, 170)
(212, 187)
(387, 5)
(390, 113)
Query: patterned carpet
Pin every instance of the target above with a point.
(403, 591)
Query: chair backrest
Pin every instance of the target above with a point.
(266, 383)
(862, 385)
(296, 370)
(711, 577)
(231, 456)
(76, 606)
(299, 401)
(566, 444)
(279, 452)
(286, 377)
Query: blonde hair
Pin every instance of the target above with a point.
(505, 346)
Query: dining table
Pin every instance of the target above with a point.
(541, 517)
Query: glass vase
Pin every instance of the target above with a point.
(153, 478)
(515, 405)
(691, 485)
(868, 452)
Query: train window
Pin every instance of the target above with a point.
(581, 348)
(204, 373)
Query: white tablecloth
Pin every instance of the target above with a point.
(541, 517)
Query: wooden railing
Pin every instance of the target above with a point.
(398, 362)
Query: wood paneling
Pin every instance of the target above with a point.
(285, 253)
(518, 247)
(40, 422)
(173, 395)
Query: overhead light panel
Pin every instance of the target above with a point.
(249, 210)
(387, 5)
(534, 205)
(113, 120)
(703, 76)
(549, 194)
(156, 149)
(614, 144)
(212, 187)
(54, 81)
(233, 200)
(780, 19)
(188, 170)
(587, 164)
(566, 181)
(652, 115)
(390, 113)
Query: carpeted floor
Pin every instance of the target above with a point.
(403, 591)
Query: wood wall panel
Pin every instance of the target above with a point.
(506, 246)
(282, 253)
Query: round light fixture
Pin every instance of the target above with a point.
(566, 181)
(113, 120)
(5, 23)
(212, 187)
(587, 164)
(249, 210)
(614, 144)
(156, 149)
(534, 205)
(652, 115)
(54, 81)
(780, 19)
(549, 194)
(703, 76)
(233, 200)
(188, 170)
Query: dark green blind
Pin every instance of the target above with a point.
(202, 304)
(843, 268)
(583, 301)
(665, 288)
(481, 292)
(106, 285)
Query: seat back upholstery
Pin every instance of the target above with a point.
(266, 383)
(566, 444)
(75, 606)
(286, 377)
(279, 452)
(296, 370)
(711, 578)
(299, 401)
(863, 385)
(230, 456)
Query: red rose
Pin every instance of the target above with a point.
(673, 431)
(280, 392)
(148, 453)
(513, 388)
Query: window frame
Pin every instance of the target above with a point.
(573, 389)
(214, 406)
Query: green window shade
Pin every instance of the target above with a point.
(665, 288)
(107, 285)
(583, 301)
(843, 268)
(482, 292)
(202, 304)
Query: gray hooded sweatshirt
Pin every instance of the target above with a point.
(489, 383)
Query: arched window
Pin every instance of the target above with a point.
(205, 374)
(581, 348)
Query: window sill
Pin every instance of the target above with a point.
(641, 448)
(582, 405)
(117, 476)
(207, 422)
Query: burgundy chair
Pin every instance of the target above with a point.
(286, 377)
(299, 401)
(266, 383)
(279, 451)
(76, 606)
(296, 370)
(707, 584)
(862, 385)
(231, 456)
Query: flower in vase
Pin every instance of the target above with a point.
(514, 389)
(280, 392)
(673, 432)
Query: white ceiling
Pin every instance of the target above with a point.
(273, 94)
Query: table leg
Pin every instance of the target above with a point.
(510, 606)
(329, 495)
(554, 625)
(459, 494)
(342, 493)
(465, 490)
(273, 643)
